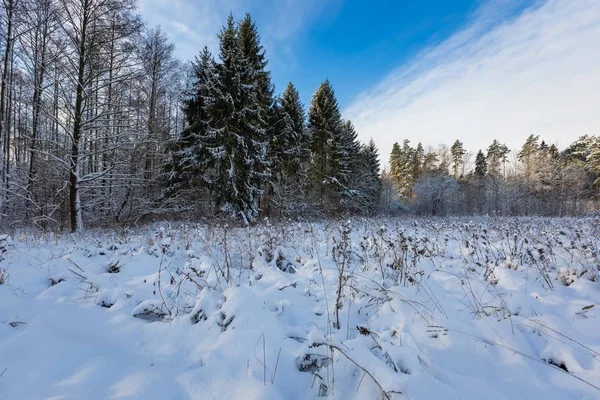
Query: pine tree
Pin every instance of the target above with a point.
(496, 155)
(480, 165)
(430, 162)
(394, 173)
(457, 152)
(481, 182)
(406, 163)
(407, 167)
(528, 153)
(418, 160)
(325, 127)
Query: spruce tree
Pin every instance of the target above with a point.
(190, 164)
(344, 162)
(237, 127)
(325, 125)
(254, 52)
(289, 148)
(480, 165)
(291, 145)
(369, 181)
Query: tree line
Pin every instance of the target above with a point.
(100, 124)
(539, 179)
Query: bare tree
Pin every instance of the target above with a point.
(90, 27)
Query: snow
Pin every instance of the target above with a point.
(455, 308)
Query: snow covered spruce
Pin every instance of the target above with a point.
(392, 309)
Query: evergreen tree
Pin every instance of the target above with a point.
(578, 150)
(430, 162)
(191, 159)
(480, 165)
(289, 141)
(457, 152)
(528, 153)
(407, 166)
(254, 53)
(394, 173)
(236, 122)
(325, 127)
(496, 155)
(369, 183)
(289, 148)
(417, 161)
(345, 162)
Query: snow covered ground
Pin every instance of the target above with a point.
(402, 309)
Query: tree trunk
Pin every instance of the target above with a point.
(10, 7)
(74, 194)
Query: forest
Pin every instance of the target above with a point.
(101, 124)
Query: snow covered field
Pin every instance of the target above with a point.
(402, 309)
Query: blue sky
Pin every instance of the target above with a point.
(354, 43)
(426, 70)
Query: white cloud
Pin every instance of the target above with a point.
(192, 24)
(538, 73)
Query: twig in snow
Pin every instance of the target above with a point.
(561, 334)
(532, 358)
(78, 267)
(276, 364)
(384, 394)
(264, 361)
(78, 274)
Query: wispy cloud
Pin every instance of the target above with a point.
(536, 73)
(192, 24)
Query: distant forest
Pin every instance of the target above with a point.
(101, 124)
(538, 180)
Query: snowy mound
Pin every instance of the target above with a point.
(364, 309)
